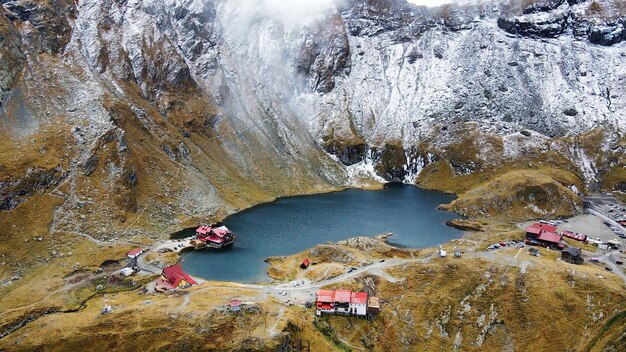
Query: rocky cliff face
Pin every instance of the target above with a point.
(134, 112)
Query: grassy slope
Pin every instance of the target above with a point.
(440, 300)
(508, 196)
(480, 297)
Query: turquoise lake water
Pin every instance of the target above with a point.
(291, 225)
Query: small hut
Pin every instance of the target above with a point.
(305, 263)
(134, 253)
(572, 255)
(373, 306)
(234, 305)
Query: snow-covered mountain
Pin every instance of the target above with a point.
(207, 106)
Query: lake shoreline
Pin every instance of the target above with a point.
(410, 212)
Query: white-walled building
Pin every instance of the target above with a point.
(358, 303)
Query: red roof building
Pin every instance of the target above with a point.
(576, 236)
(305, 264)
(135, 252)
(176, 277)
(342, 302)
(543, 235)
(215, 236)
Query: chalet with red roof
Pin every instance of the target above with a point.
(543, 235)
(342, 302)
(174, 277)
(216, 237)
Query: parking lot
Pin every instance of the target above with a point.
(589, 225)
(606, 207)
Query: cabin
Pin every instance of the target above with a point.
(358, 303)
(174, 277)
(305, 264)
(615, 258)
(572, 255)
(135, 252)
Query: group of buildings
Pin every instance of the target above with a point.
(545, 235)
(213, 236)
(346, 302)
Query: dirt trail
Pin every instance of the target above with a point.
(271, 331)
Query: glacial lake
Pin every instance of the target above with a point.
(291, 225)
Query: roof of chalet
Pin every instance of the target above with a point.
(325, 296)
(549, 237)
(342, 295)
(135, 251)
(175, 275)
(358, 298)
(533, 229)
